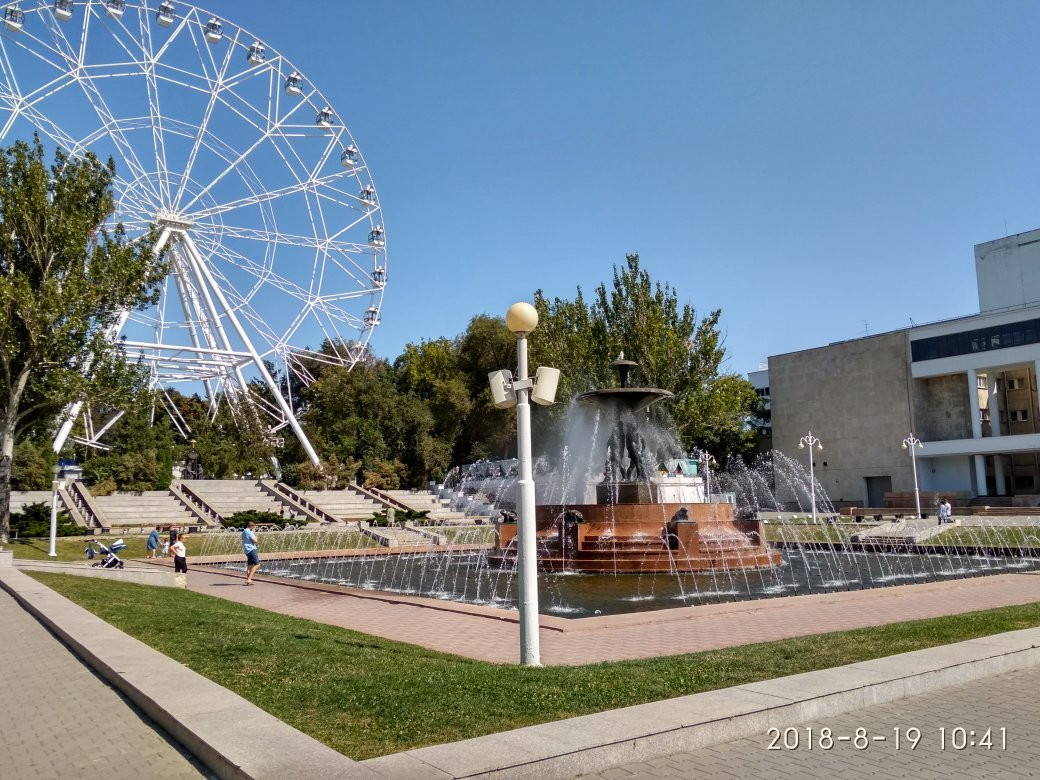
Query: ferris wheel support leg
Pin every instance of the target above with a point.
(72, 410)
(257, 360)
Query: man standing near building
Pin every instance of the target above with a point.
(252, 551)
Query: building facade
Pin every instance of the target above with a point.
(966, 387)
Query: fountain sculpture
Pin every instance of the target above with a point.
(638, 518)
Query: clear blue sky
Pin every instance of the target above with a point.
(817, 170)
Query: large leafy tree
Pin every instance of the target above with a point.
(65, 278)
(675, 350)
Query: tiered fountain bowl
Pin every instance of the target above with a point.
(640, 519)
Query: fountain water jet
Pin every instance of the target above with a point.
(638, 521)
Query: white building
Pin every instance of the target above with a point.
(965, 387)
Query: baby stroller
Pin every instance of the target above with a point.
(111, 560)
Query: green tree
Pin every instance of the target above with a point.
(675, 351)
(487, 345)
(65, 279)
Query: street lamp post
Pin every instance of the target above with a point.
(913, 444)
(52, 551)
(811, 441)
(521, 319)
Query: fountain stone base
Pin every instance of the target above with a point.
(640, 538)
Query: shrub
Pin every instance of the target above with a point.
(258, 516)
(35, 520)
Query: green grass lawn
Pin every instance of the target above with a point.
(366, 696)
(70, 548)
(989, 536)
(808, 532)
(482, 534)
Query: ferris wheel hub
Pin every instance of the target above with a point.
(173, 221)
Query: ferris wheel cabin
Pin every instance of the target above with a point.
(166, 14)
(350, 157)
(294, 84)
(376, 239)
(14, 18)
(257, 54)
(115, 8)
(63, 10)
(367, 196)
(214, 30)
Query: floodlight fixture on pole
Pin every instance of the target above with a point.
(519, 391)
(913, 444)
(811, 441)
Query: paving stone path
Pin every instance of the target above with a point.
(984, 707)
(59, 720)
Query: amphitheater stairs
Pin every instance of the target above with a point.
(143, 510)
(422, 501)
(228, 496)
(22, 498)
(402, 538)
(346, 505)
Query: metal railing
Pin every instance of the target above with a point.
(196, 504)
(298, 502)
(84, 502)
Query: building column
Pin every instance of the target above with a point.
(994, 430)
(998, 474)
(980, 475)
(973, 404)
(994, 406)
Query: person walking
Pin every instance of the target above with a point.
(252, 550)
(153, 543)
(180, 559)
(945, 512)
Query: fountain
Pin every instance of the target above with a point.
(638, 518)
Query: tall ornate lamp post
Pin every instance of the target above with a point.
(521, 319)
(811, 441)
(913, 444)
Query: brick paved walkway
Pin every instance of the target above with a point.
(59, 720)
(1007, 701)
(491, 635)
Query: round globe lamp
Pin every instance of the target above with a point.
(521, 318)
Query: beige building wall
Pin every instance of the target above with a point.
(854, 397)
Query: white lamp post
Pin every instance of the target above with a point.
(913, 444)
(52, 552)
(521, 319)
(811, 441)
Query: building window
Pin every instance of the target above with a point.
(1014, 334)
(1025, 482)
(1019, 415)
(1016, 384)
(981, 383)
(984, 415)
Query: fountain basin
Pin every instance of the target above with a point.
(640, 538)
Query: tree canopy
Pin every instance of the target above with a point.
(675, 351)
(66, 276)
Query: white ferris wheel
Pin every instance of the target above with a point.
(262, 199)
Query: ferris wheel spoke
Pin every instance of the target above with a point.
(204, 124)
(270, 195)
(260, 272)
(154, 112)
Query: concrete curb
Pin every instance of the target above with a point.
(594, 743)
(233, 738)
(139, 574)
